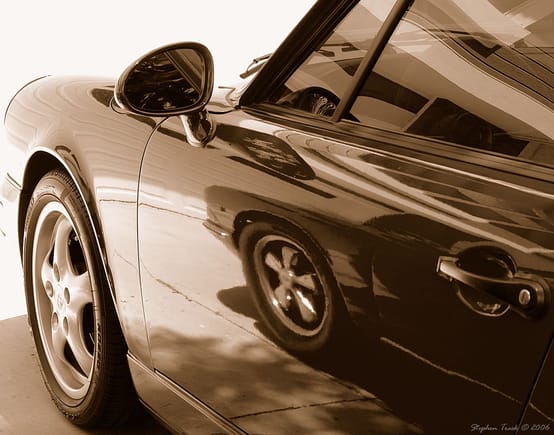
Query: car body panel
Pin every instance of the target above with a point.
(201, 308)
(374, 215)
(181, 412)
(71, 119)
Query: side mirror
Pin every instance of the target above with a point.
(172, 80)
(175, 79)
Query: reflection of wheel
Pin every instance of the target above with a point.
(315, 99)
(318, 101)
(292, 287)
(80, 346)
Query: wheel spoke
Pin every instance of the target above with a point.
(77, 344)
(307, 281)
(46, 272)
(47, 277)
(273, 262)
(305, 306)
(62, 365)
(290, 285)
(61, 246)
(288, 254)
(282, 294)
(58, 343)
(80, 292)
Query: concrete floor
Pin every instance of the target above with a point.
(25, 405)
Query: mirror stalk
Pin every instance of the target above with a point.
(199, 128)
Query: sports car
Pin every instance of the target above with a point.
(357, 238)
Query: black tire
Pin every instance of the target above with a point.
(80, 346)
(293, 289)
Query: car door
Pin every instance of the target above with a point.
(204, 332)
(431, 196)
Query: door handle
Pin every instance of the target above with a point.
(524, 292)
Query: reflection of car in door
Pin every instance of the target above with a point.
(361, 240)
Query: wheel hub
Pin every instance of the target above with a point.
(61, 303)
(286, 277)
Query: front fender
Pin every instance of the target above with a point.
(69, 123)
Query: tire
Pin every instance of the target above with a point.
(293, 289)
(80, 346)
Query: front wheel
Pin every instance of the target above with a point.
(80, 346)
(293, 288)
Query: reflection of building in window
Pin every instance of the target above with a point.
(469, 73)
(446, 121)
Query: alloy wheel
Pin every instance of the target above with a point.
(63, 300)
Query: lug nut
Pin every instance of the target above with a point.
(49, 289)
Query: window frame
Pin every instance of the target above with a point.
(320, 21)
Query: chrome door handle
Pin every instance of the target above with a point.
(526, 293)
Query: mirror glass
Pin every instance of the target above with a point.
(168, 81)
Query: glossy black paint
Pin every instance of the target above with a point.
(382, 207)
(383, 249)
(540, 407)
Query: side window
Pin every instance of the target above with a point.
(478, 74)
(320, 82)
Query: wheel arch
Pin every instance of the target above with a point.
(39, 164)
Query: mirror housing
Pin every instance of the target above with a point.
(175, 79)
